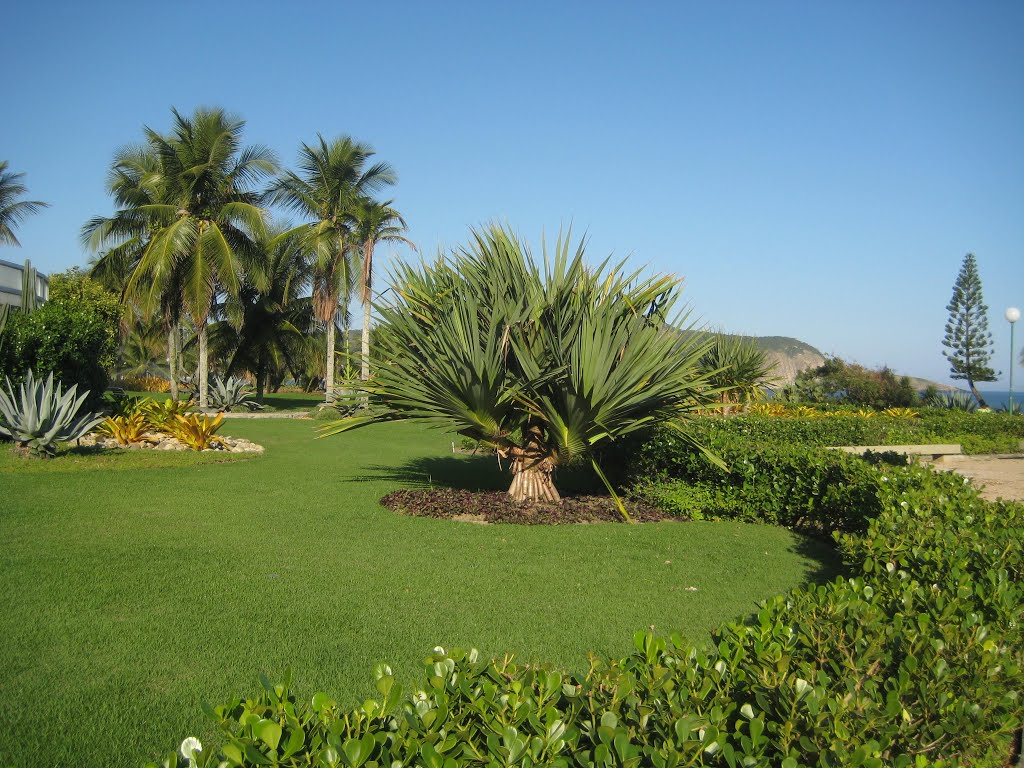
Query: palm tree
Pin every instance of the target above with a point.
(333, 177)
(541, 364)
(738, 368)
(12, 210)
(267, 321)
(375, 223)
(201, 228)
(136, 181)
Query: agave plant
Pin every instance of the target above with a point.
(232, 392)
(954, 401)
(39, 415)
(541, 363)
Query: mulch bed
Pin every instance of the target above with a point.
(497, 507)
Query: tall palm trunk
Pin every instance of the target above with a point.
(329, 371)
(172, 360)
(204, 368)
(261, 376)
(532, 466)
(366, 289)
(364, 365)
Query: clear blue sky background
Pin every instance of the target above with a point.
(815, 170)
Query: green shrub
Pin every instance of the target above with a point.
(73, 336)
(914, 661)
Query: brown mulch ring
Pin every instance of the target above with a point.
(497, 507)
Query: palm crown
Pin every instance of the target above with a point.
(13, 210)
(544, 364)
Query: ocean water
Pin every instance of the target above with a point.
(1000, 399)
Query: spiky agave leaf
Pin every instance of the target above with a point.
(41, 416)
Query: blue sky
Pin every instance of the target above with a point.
(815, 170)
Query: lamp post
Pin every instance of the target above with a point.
(1012, 316)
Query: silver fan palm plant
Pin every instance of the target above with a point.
(542, 363)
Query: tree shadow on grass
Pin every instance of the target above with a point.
(822, 552)
(479, 472)
(476, 472)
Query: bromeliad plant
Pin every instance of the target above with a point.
(542, 364)
(197, 431)
(126, 429)
(159, 413)
(40, 415)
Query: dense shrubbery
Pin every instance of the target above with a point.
(73, 336)
(839, 381)
(916, 660)
(977, 432)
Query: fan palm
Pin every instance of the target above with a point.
(268, 320)
(544, 365)
(738, 368)
(374, 223)
(334, 176)
(13, 211)
(201, 227)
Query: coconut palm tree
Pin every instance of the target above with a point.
(13, 211)
(201, 228)
(374, 223)
(136, 181)
(333, 176)
(267, 321)
(542, 364)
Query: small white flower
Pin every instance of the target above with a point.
(189, 747)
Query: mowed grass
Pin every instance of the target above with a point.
(136, 585)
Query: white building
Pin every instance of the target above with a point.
(11, 277)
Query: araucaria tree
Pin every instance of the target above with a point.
(967, 336)
(542, 363)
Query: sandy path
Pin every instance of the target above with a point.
(1001, 475)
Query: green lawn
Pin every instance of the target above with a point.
(137, 584)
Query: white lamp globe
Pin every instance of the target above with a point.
(1013, 314)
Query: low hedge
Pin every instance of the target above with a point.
(976, 432)
(915, 660)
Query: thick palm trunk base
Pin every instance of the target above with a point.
(533, 484)
(532, 468)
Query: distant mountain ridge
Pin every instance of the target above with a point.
(791, 356)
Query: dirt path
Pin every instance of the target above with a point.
(1001, 475)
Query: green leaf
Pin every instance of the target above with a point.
(269, 732)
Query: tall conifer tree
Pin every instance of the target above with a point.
(967, 335)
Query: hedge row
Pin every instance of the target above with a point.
(977, 432)
(916, 660)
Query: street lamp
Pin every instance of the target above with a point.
(1012, 316)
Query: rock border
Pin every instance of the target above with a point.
(158, 441)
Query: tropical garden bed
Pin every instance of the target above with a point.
(499, 507)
